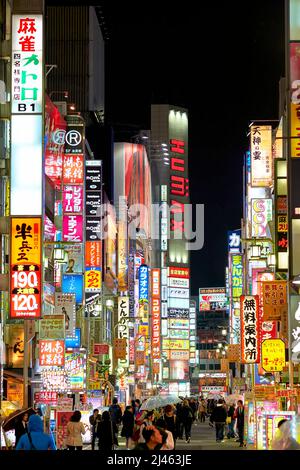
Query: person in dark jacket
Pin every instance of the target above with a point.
(218, 417)
(94, 420)
(36, 438)
(116, 417)
(239, 415)
(106, 432)
(187, 419)
(231, 421)
(153, 439)
(21, 427)
(128, 425)
(170, 420)
(179, 422)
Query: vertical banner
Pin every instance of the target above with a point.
(156, 327)
(27, 115)
(274, 300)
(123, 328)
(25, 268)
(261, 156)
(250, 334)
(294, 328)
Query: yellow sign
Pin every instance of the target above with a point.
(93, 279)
(144, 330)
(176, 344)
(95, 385)
(26, 237)
(273, 355)
(295, 125)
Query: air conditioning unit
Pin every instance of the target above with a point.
(61, 106)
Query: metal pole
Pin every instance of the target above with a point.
(25, 367)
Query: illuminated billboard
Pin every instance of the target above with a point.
(261, 156)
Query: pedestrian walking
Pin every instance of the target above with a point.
(94, 420)
(75, 429)
(239, 416)
(218, 417)
(231, 421)
(194, 407)
(106, 432)
(35, 438)
(128, 425)
(116, 417)
(187, 419)
(171, 422)
(202, 410)
(179, 421)
(21, 427)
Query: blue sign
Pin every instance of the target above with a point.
(73, 284)
(74, 342)
(143, 283)
(263, 379)
(234, 241)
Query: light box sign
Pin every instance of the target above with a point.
(65, 305)
(143, 283)
(27, 64)
(25, 268)
(52, 353)
(261, 156)
(294, 328)
(75, 366)
(73, 169)
(184, 273)
(156, 313)
(207, 296)
(93, 279)
(261, 215)
(93, 252)
(123, 328)
(179, 293)
(179, 282)
(176, 344)
(236, 275)
(234, 241)
(73, 199)
(52, 327)
(73, 228)
(74, 342)
(250, 331)
(73, 284)
(26, 165)
(273, 355)
(274, 300)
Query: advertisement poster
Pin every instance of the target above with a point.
(65, 305)
(75, 258)
(75, 365)
(62, 419)
(73, 284)
(52, 327)
(251, 423)
(16, 343)
(262, 407)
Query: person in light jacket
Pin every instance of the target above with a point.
(74, 431)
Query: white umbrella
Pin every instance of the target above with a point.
(159, 401)
(233, 398)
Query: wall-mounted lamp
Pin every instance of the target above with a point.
(255, 251)
(109, 303)
(271, 260)
(296, 280)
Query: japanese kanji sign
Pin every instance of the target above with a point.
(73, 169)
(123, 329)
(250, 350)
(93, 254)
(179, 272)
(27, 64)
(143, 283)
(236, 274)
(120, 348)
(73, 228)
(75, 366)
(156, 326)
(73, 199)
(25, 268)
(93, 279)
(46, 398)
(294, 329)
(52, 353)
(273, 355)
(261, 156)
(52, 327)
(274, 300)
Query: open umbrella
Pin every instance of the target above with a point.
(9, 422)
(234, 397)
(159, 401)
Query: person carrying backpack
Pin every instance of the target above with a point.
(35, 438)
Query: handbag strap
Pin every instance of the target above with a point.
(30, 440)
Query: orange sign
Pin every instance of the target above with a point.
(25, 268)
(93, 254)
(274, 300)
(52, 353)
(295, 125)
(179, 272)
(140, 358)
(120, 348)
(234, 352)
(73, 169)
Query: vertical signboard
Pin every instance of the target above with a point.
(261, 215)
(25, 268)
(261, 156)
(156, 327)
(294, 328)
(123, 328)
(27, 117)
(250, 334)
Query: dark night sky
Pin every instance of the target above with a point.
(222, 61)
